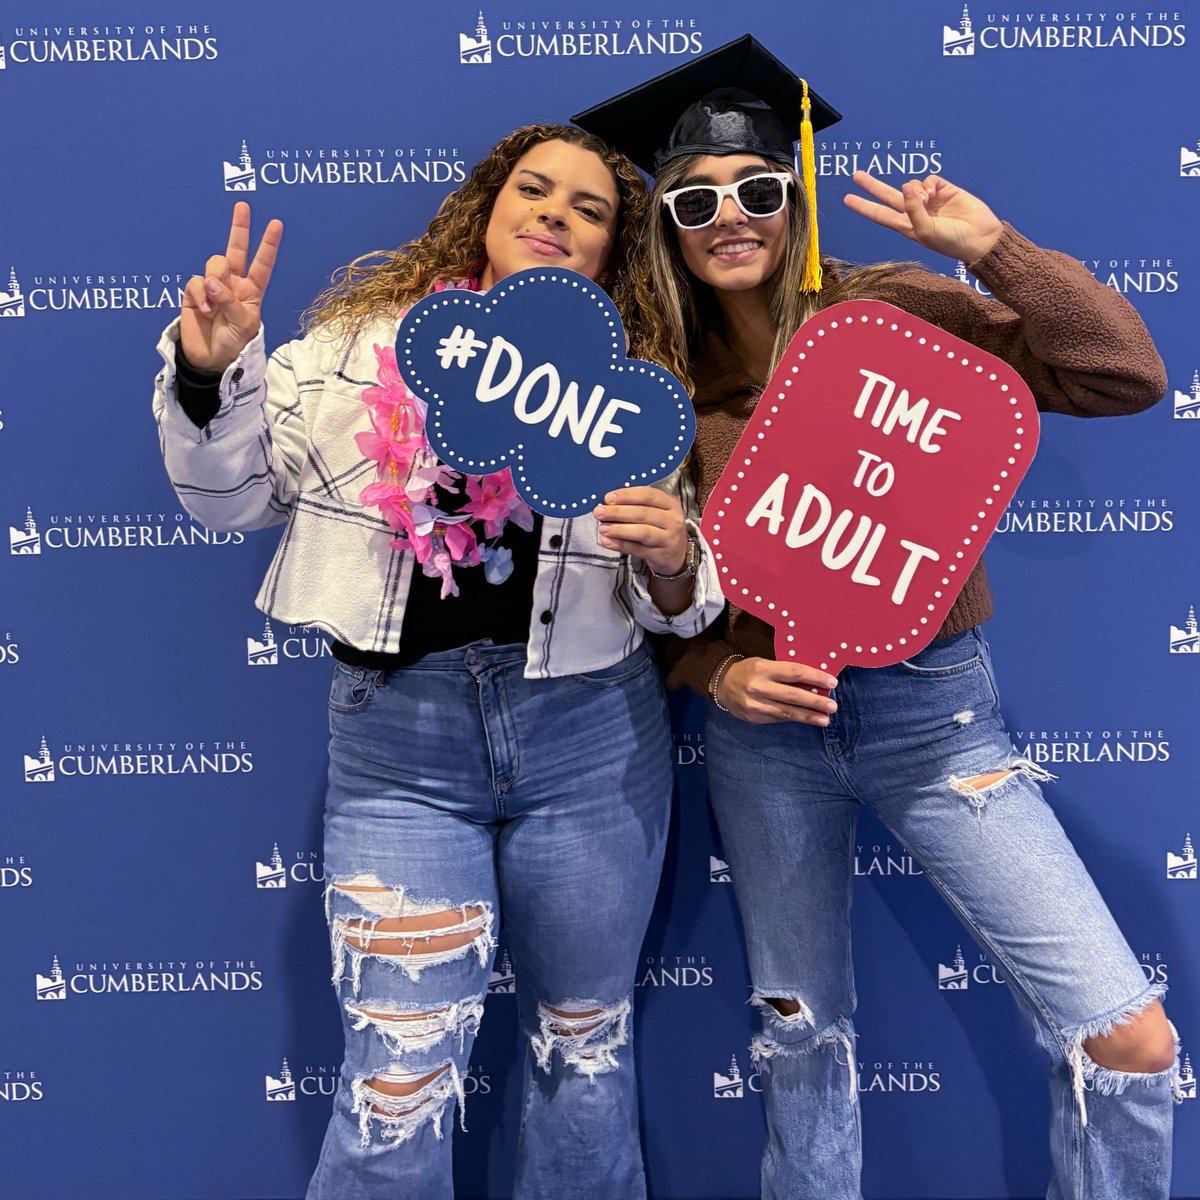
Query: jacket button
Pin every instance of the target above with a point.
(547, 617)
(556, 541)
(237, 375)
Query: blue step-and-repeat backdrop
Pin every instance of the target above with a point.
(167, 1028)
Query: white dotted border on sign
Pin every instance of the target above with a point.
(515, 458)
(934, 347)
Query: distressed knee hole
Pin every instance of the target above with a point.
(410, 1029)
(586, 1037)
(977, 788)
(1135, 1044)
(399, 1102)
(768, 1045)
(401, 932)
(789, 1010)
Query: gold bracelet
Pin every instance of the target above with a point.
(714, 680)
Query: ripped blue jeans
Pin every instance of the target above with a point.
(461, 793)
(912, 741)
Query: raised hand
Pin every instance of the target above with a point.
(222, 309)
(647, 523)
(931, 211)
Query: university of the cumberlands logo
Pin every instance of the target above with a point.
(957, 976)
(731, 1086)
(302, 641)
(1145, 275)
(503, 979)
(1091, 514)
(908, 157)
(961, 41)
(175, 43)
(1048, 747)
(15, 871)
(309, 1081)
(275, 873)
(718, 870)
(19, 1086)
(884, 859)
(1155, 968)
(89, 759)
(1187, 639)
(676, 970)
(602, 37)
(689, 749)
(41, 768)
(12, 301)
(99, 291)
(1050, 30)
(1187, 1078)
(1189, 162)
(289, 166)
(1187, 404)
(135, 978)
(964, 276)
(1183, 864)
(114, 531)
(54, 985)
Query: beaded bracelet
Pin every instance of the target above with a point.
(714, 680)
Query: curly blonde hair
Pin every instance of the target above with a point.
(668, 295)
(388, 281)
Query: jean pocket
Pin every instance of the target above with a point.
(352, 689)
(628, 668)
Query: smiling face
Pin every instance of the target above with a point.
(736, 253)
(558, 208)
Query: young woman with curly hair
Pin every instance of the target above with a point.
(457, 793)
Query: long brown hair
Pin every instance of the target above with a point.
(669, 295)
(385, 282)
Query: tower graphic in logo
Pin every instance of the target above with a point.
(1189, 162)
(1187, 404)
(476, 48)
(12, 302)
(264, 653)
(960, 41)
(1186, 640)
(1182, 865)
(503, 979)
(26, 540)
(52, 986)
(3, 58)
(954, 978)
(242, 177)
(40, 769)
(729, 1087)
(272, 874)
(718, 870)
(283, 1088)
(1187, 1079)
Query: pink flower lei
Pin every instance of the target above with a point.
(407, 474)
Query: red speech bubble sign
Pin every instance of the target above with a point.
(875, 468)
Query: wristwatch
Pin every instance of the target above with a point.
(691, 564)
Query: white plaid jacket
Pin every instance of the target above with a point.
(281, 449)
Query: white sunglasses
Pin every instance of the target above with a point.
(696, 206)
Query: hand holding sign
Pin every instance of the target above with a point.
(532, 375)
(865, 486)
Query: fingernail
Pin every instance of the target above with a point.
(210, 286)
(822, 720)
(831, 682)
(206, 308)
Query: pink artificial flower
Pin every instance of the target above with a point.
(389, 369)
(493, 500)
(439, 564)
(387, 447)
(462, 544)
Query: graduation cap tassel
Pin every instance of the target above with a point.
(808, 170)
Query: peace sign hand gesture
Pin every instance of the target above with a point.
(933, 212)
(222, 310)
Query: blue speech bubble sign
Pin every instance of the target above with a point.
(532, 375)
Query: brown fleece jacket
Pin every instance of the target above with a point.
(1077, 343)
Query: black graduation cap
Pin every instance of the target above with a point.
(737, 99)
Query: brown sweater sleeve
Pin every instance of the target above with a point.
(1079, 344)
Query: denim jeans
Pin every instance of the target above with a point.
(910, 741)
(461, 793)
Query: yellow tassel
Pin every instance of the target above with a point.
(808, 171)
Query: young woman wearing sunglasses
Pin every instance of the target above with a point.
(789, 768)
